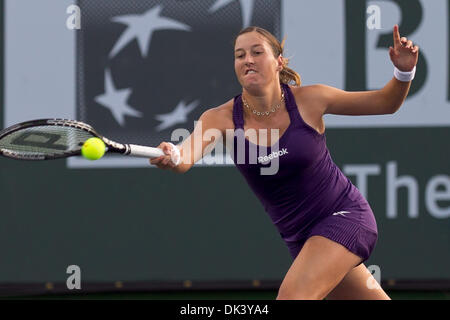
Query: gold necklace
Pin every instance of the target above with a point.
(265, 113)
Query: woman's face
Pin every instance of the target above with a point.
(254, 61)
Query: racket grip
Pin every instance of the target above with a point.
(150, 152)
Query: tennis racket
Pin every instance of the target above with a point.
(48, 139)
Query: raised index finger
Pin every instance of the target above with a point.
(396, 34)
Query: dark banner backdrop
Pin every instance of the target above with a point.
(140, 225)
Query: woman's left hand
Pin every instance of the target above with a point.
(404, 54)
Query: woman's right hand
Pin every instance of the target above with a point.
(165, 162)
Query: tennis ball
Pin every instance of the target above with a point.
(93, 149)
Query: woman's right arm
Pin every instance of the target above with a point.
(192, 149)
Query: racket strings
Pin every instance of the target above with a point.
(45, 140)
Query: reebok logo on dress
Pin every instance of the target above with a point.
(340, 213)
(273, 155)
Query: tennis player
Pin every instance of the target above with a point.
(326, 223)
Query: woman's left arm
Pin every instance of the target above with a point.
(404, 56)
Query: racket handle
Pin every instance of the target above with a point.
(150, 152)
(144, 152)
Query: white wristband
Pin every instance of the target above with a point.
(176, 158)
(404, 76)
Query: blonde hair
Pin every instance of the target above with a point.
(287, 75)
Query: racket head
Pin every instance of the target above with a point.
(46, 139)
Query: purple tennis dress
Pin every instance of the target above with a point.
(307, 194)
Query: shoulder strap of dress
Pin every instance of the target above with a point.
(238, 117)
(291, 105)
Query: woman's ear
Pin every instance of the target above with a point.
(280, 61)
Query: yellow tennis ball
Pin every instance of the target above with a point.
(93, 149)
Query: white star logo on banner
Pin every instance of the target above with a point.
(246, 7)
(178, 115)
(142, 27)
(116, 101)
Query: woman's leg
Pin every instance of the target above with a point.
(358, 284)
(317, 270)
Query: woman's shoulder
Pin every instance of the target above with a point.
(311, 103)
(310, 91)
(224, 110)
(312, 97)
(221, 115)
